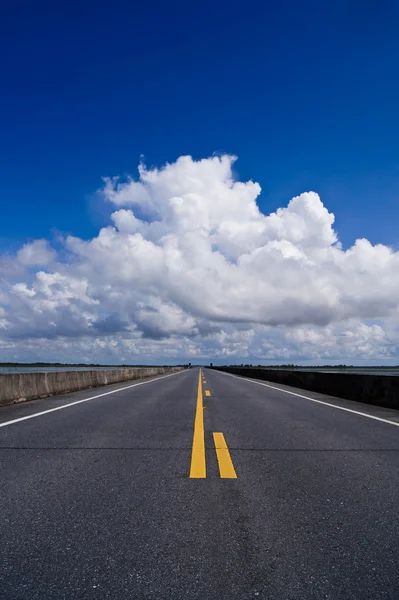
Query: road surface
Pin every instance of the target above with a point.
(129, 494)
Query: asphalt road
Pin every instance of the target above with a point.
(97, 501)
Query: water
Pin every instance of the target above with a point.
(392, 372)
(354, 371)
(50, 369)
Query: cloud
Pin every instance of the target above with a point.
(36, 254)
(189, 259)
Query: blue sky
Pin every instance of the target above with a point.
(306, 94)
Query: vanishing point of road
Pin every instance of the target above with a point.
(198, 485)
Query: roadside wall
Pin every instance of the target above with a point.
(19, 387)
(381, 390)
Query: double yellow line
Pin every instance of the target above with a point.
(198, 463)
(198, 460)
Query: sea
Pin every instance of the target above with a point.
(50, 369)
(365, 371)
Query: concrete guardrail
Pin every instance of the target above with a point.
(19, 387)
(381, 390)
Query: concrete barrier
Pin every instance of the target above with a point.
(19, 387)
(381, 390)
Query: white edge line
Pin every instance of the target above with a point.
(356, 412)
(50, 410)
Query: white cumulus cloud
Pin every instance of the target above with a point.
(36, 254)
(190, 261)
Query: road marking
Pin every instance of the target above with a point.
(50, 410)
(198, 465)
(350, 410)
(226, 466)
(207, 393)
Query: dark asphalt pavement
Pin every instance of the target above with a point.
(96, 500)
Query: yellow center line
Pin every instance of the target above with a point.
(198, 465)
(226, 466)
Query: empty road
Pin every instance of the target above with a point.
(198, 485)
